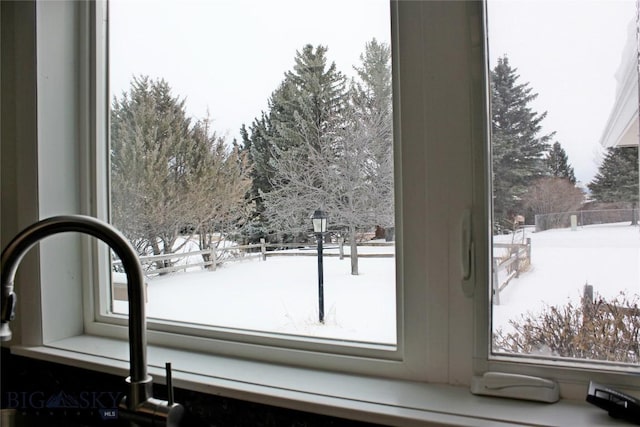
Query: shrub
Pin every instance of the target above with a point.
(596, 329)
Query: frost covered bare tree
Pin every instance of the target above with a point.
(373, 124)
(365, 192)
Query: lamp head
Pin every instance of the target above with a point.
(319, 220)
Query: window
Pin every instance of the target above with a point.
(440, 129)
(566, 242)
(421, 211)
(225, 138)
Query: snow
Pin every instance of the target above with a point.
(281, 294)
(606, 256)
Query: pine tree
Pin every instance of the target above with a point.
(558, 163)
(256, 143)
(617, 177)
(219, 185)
(306, 113)
(169, 177)
(149, 146)
(517, 143)
(323, 146)
(307, 108)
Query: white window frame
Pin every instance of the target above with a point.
(572, 375)
(439, 97)
(328, 354)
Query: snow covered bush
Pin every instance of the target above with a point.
(596, 329)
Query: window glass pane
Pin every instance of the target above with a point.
(564, 121)
(232, 122)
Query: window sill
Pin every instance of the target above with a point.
(361, 398)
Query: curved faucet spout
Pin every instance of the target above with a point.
(18, 247)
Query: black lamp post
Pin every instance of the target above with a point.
(319, 220)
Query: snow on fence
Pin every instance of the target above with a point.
(517, 259)
(210, 258)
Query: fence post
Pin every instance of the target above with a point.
(529, 250)
(587, 302)
(574, 222)
(341, 246)
(214, 260)
(263, 248)
(496, 283)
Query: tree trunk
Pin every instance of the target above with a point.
(354, 250)
(205, 243)
(157, 251)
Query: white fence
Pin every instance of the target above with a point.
(518, 258)
(210, 258)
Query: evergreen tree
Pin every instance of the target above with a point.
(169, 177)
(219, 186)
(558, 163)
(332, 148)
(517, 143)
(617, 177)
(323, 146)
(307, 109)
(256, 143)
(306, 113)
(149, 160)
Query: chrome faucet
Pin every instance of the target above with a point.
(139, 407)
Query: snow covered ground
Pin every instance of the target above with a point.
(606, 256)
(281, 294)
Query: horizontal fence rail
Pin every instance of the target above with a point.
(210, 258)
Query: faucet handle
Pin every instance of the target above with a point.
(169, 377)
(8, 313)
(9, 307)
(155, 412)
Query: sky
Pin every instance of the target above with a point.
(568, 51)
(227, 56)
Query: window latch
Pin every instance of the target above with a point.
(467, 255)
